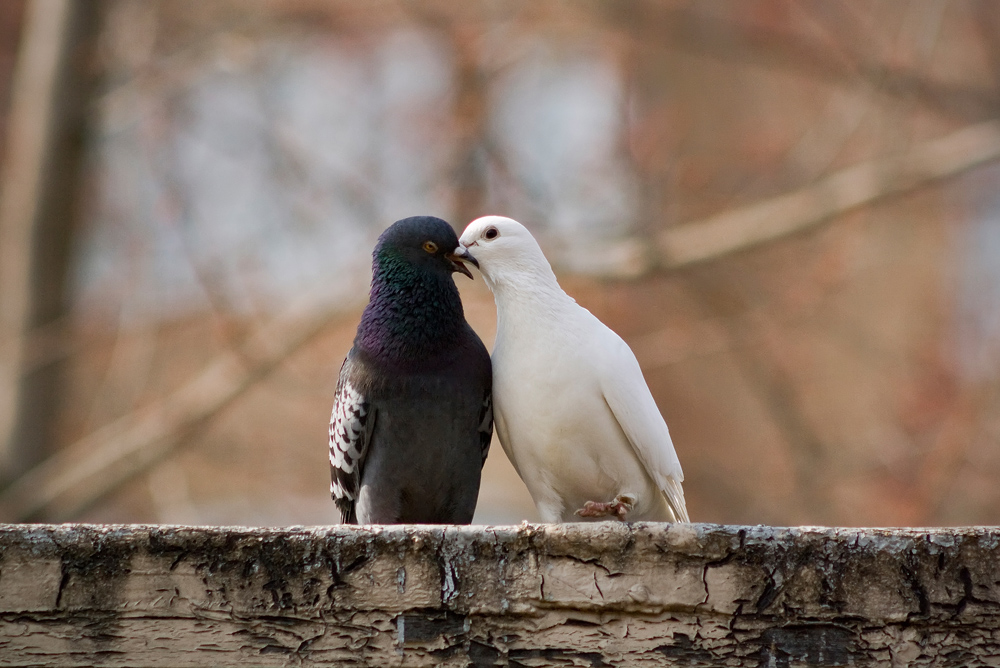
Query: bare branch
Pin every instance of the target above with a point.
(73, 479)
(727, 40)
(862, 184)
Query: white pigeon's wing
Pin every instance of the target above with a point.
(628, 396)
(351, 425)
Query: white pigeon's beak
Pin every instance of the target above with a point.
(459, 257)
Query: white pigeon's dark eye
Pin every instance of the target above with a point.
(491, 233)
(430, 247)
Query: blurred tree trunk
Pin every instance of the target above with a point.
(39, 202)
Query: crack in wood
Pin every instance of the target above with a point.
(594, 594)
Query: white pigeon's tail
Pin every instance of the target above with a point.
(675, 499)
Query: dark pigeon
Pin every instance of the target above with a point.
(413, 416)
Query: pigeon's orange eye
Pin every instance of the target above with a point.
(491, 233)
(430, 247)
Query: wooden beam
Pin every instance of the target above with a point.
(532, 595)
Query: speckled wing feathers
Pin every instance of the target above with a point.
(351, 425)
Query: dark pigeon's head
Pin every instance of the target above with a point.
(423, 242)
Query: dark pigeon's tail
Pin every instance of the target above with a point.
(348, 514)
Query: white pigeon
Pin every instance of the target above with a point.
(571, 407)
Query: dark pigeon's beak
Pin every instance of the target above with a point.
(459, 257)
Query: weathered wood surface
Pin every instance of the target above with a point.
(533, 595)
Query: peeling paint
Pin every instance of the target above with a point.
(559, 595)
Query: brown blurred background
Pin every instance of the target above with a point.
(788, 209)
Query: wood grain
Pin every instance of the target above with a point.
(532, 595)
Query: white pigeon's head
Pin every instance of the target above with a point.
(505, 251)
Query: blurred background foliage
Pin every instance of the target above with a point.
(196, 260)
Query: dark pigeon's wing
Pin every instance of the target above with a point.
(486, 424)
(351, 425)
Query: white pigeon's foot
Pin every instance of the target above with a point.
(620, 507)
